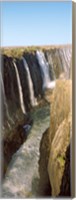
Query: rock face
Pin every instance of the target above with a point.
(24, 80)
(57, 159)
(13, 140)
(65, 188)
(42, 69)
(59, 59)
(60, 104)
(55, 152)
(44, 183)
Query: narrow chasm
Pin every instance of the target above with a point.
(35, 90)
(24, 164)
(14, 139)
(44, 183)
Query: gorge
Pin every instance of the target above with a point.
(28, 78)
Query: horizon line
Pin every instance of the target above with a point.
(45, 45)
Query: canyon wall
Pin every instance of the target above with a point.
(55, 147)
(25, 78)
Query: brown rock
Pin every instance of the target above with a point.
(56, 140)
(60, 105)
(44, 183)
(57, 158)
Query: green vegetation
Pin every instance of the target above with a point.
(61, 160)
(17, 52)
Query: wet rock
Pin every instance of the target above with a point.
(59, 60)
(35, 72)
(24, 83)
(14, 139)
(15, 130)
(10, 84)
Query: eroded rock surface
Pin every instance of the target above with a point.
(17, 102)
(15, 80)
(65, 188)
(55, 142)
(57, 158)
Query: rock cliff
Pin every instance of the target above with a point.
(54, 163)
(27, 73)
(28, 77)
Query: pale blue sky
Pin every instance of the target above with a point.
(36, 23)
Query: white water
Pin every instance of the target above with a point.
(63, 61)
(47, 83)
(30, 84)
(20, 89)
(66, 60)
(67, 56)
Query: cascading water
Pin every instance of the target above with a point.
(2, 88)
(47, 83)
(4, 97)
(5, 103)
(65, 55)
(20, 89)
(30, 84)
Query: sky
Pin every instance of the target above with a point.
(36, 23)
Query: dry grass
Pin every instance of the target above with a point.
(18, 51)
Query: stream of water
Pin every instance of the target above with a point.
(22, 177)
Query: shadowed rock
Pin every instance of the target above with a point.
(14, 139)
(22, 176)
(14, 136)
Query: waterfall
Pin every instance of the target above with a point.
(4, 97)
(47, 83)
(30, 84)
(67, 56)
(5, 103)
(65, 63)
(20, 89)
